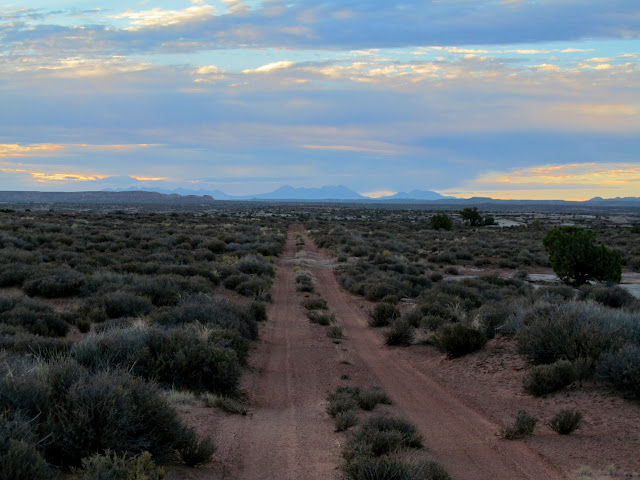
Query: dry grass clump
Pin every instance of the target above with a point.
(566, 421)
(523, 426)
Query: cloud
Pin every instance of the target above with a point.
(15, 150)
(157, 17)
(379, 193)
(577, 181)
(271, 67)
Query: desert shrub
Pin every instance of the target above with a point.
(368, 399)
(233, 281)
(315, 304)
(112, 466)
(35, 317)
(125, 304)
(342, 400)
(19, 456)
(196, 451)
(175, 357)
(179, 358)
(387, 468)
(82, 413)
(227, 338)
(17, 340)
(345, 420)
(378, 291)
(382, 315)
(523, 426)
(400, 332)
(162, 290)
(413, 317)
(570, 331)
(14, 274)
(216, 245)
(458, 339)
(610, 296)
(304, 281)
(544, 379)
(441, 220)
(431, 323)
(380, 436)
(256, 265)
(494, 316)
(334, 331)
(566, 421)
(451, 270)
(621, 370)
(321, 317)
(256, 287)
(562, 291)
(258, 311)
(55, 283)
(209, 311)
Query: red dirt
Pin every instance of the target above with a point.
(460, 406)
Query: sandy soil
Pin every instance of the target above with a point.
(460, 406)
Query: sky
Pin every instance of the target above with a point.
(514, 99)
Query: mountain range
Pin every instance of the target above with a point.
(287, 192)
(181, 196)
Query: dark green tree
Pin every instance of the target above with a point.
(471, 216)
(576, 258)
(441, 220)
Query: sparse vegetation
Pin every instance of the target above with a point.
(566, 421)
(523, 426)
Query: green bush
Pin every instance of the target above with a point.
(621, 370)
(544, 379)
(576, 259)
(441, 220)
(523, 426)
(383, 314)
(566, 421)
(112, 466)
(458, 339)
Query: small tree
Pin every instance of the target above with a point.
(441, 220)
(472, 217)
(576, 258)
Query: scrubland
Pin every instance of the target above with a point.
(108, 319)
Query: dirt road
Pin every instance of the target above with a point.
(463, 440)
(288, 435)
